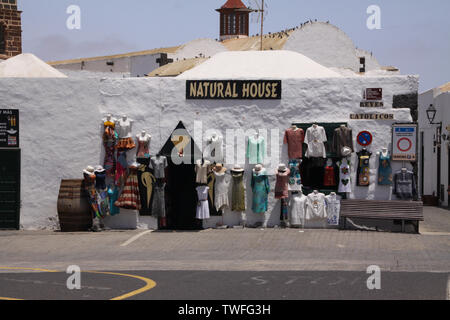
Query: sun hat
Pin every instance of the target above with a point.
(346, 151)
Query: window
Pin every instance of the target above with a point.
(2, 39)
(242, 26)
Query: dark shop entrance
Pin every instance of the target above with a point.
(9, 189)
(181, 196)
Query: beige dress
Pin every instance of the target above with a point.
(202, 171)
(238, 193)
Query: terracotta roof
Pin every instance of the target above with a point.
(445, 87)
(233, 4)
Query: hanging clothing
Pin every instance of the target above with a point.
(333, 209)
(110, 138)
(256, 150)
(146, 181)
(202, 206)
(316, 206)
(221, 187)
(129, 198)
(125, 144)
(143, 150)
(238, 192)
(298, 209)
(282, 185)
(284, 209)
(385, 170)
(89, 185)
(159, 165)
(345, 185)
(295, 179)
(123, 128)
(294, 138)
(261, 188)
(405, 187)
(342, 137)
(214, 149)
(329, 179)
(100, 180)
(103, 203)
(113, 196)
(315, 138)
(364, 168)
(202, 170)
(121, 170)
(159, 199)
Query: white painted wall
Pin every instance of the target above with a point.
(61, 122)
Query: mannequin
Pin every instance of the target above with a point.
(282, 191)
(124, 128)
(261, 188)
(143, 140)
(238, 193)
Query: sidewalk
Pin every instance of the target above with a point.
(235, 249)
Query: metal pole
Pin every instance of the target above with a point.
(262, 24)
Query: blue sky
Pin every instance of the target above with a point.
(415, 34)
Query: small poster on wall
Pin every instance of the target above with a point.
(404, 142)
(9, 128)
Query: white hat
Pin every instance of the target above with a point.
(282, 167)
(89, 170)
(99, 169)
(237, 168)
(258, 167)
(346, 151)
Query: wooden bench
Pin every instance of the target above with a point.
(383, 210)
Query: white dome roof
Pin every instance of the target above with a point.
(27, 65)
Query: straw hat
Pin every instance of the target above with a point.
(238, 168)
(258, 167)
(89, 170)
(282, 167)
(99, 169)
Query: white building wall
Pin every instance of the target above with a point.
(61, 126)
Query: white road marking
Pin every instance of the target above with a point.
(134, 238)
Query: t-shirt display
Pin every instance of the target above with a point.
(405, 185)
(333, 202)
(385, 169)
(123, 128)
(345, 185)
(256, 150)
(159, 165)
(202, 170)
(315, 206)
(297, 209)
(294, 138)
(363, 179)
(342, 137)
(315, 138)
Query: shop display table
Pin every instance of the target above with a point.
(382, 210)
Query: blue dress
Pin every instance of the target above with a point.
(385, 170)
(261, 189)
(113, 196)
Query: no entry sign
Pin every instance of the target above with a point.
(364, 138)
(404, 139)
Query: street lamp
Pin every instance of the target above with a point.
(431, 114)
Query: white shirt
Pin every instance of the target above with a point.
(316, 206)
(298, 208)
(315, 138)
(123, 128)
(333, 209)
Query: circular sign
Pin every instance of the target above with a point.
(404, 145)
(364, 138)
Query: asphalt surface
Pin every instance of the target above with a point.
(212, 285)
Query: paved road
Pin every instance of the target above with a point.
(213, 285)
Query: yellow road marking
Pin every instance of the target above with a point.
(10, 299)
(150, 284)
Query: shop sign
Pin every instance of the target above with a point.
(364, 138)
(404, 139)
(372, 116)
(374, 94)
(233, 89)
(372, 104)
(9, 128)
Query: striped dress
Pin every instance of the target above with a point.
(129, 198)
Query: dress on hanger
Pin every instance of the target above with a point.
(121, 168)
(364, 168)
(294, 139)
(256, 150)
(143, 148)
(261, 188)
(238, 192)
(130, 198)
(221, 186)
(342, 137)
(316, 206)
(329, 177)
(385, 170)
(159, 165)
(315, 138)
(202, 206)
(333, 209)
(282, 185)
(345, 185)
(405, 187)
(113, 196)
(159, 199)
(298, 208)
(110, 138)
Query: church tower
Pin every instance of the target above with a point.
(234, 20)
(10, 29)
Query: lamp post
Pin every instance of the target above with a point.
(431, 114)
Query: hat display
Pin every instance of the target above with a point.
(89, 170)
(282, 167)
(237, 168)
(99, 169)
(346, 151)
(258, 167)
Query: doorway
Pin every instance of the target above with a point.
(10, 189)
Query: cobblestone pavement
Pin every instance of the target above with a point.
(235, 249)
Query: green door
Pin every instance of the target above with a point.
(9, 188)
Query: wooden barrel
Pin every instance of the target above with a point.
(73, 207)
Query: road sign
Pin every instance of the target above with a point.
(404, 139)
(9, 128)
(364, 138)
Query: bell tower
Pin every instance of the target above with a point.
(10, 29)
(234, 20)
